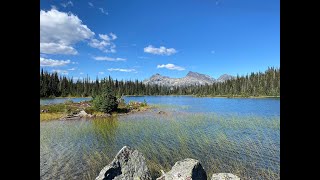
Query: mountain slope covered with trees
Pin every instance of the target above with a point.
(255, 84)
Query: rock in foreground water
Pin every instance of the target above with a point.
(186, 169)
(224, 176)
(129, 164)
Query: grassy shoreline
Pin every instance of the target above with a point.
(218, 96)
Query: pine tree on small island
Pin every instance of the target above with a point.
(105, 102)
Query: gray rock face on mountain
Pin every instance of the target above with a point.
(224, 176)
(192, 78)
(185, 169)
(129, 164)
(224, 77)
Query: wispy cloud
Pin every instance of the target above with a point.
(159, 51)
(171, 67)
(64, 72)
(72, 69)
(57, 32)
(105, 58)
(108, 38)
(90, 4)
(103, 11)
(143, 57)
(122, 70)
(81, 73)
(53, 63)
(101, 73)
(69, 3)
(105, 43)
(54, 7)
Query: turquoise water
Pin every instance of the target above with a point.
(241, 106)
(241, 136)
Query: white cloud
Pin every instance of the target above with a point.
(55, 48)
(108, 38)
(159, 51)
(104, 37)
(171, 67)
(74, 63)
(81, 73)
(101, 72)
(67, 4)
(71, 69)
(113, 36)
(64, 72)
(122, 70)
(104, 58)
(105, 44)
(59, 31)
(52, 63)
(103, 11)
(90, 4)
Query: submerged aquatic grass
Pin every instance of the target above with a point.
(247, 146)
(50, 116)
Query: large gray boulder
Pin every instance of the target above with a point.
(129, 164)
(186, 169)
(224, 176)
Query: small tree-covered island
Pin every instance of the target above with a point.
(103, 105)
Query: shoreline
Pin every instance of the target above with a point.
(222, 96)
(80, 112)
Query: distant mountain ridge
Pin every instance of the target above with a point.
(192, 78)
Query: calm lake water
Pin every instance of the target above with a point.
(241, 136)
(62, 100)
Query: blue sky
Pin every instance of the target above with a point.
(134, 39)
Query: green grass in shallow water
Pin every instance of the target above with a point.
(246, 146)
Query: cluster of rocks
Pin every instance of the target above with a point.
(129, 164)
(44, 110)
(81, 114)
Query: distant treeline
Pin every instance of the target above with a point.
(255, 84)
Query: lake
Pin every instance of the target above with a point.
(44, 101)
(237, 135)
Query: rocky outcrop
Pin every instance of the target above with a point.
(129, 164)
(224, 176)
(185, 169)
(162, 112)
(81, 114)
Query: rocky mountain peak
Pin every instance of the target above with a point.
(224, 77)
(192, 78)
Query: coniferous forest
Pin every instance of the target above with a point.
(254, 84)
